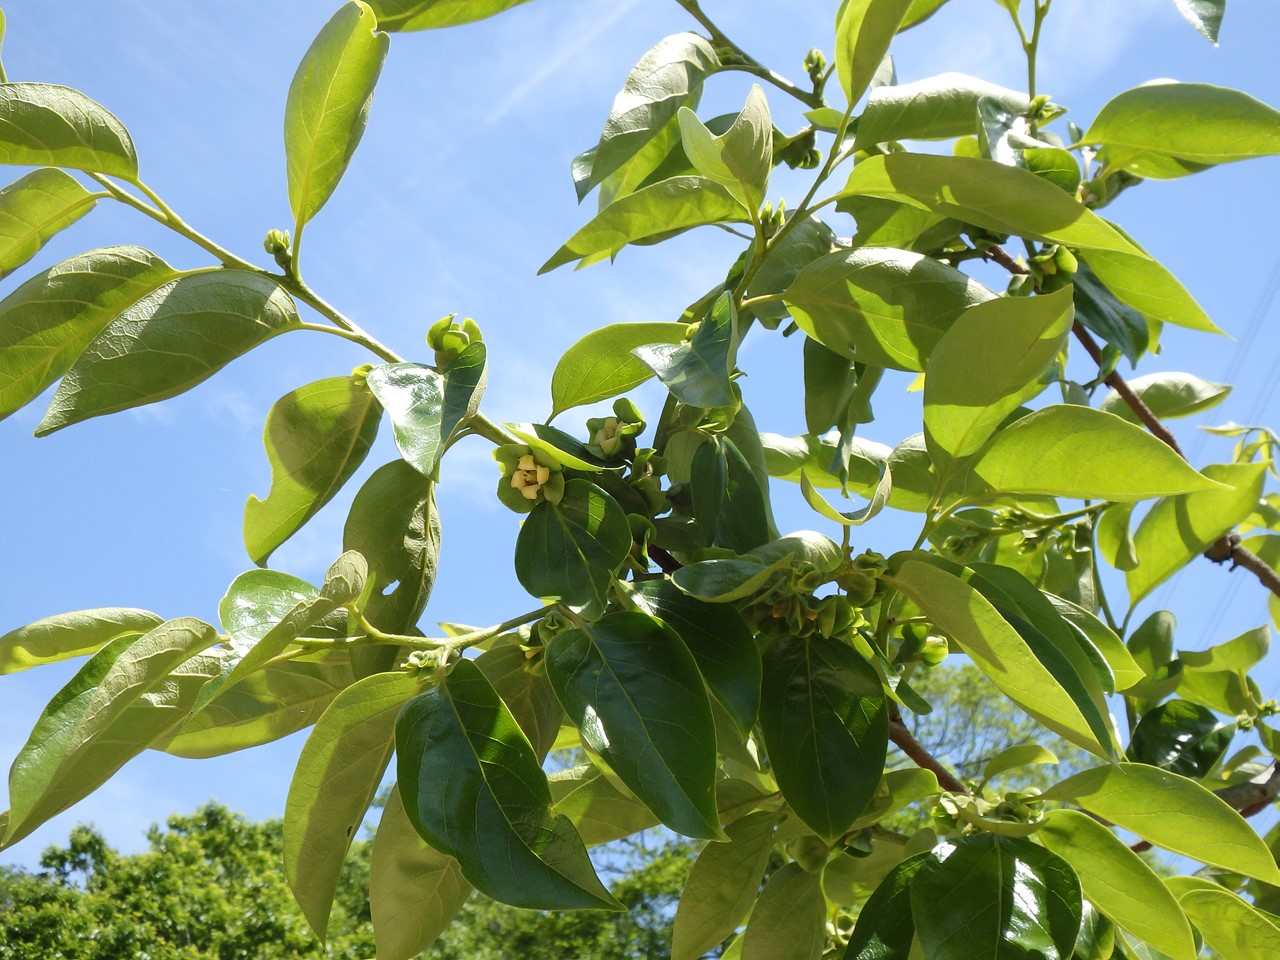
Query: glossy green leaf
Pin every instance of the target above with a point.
(562, 448)
(997, 649)
(1017, 757)
(720, 641)
(526, 692)
(633, 690)
(885, 927)
(46, 125)
(256, 601)
(406, 15)
(315, 437)
(1124, 668)
(660, 158)
(67, 635)
(1072, 451)
(864, 30)
(1171, 812)
(1180, 736)
(667, 78)
(473, 789)
(1148, 287)
(741, 158)
(1241, 653)
(799, 247)
(1204, 15)
(1099, 310)
(697, 371)
(829, 382)
(48, 321)
(1168, 395)
(328, 105)
(173, 338)
(426, 407)
(570, 550)
(414, 890)
(788, 457)
(278, 700)
(722, 886)
(934, 108)
(669, 206)
(1167, 129)
(1118, 882)
(728, 504)
(788, 919)
(601, 364)
(35, 208)
(1115, 541)
(919, 12)
(826, 727)
(1230, 925)
(884, 307)
(394, 525)
(88, 731)
(995, 897)
(1177, 529)
(850, 518)
(1013, 341)
(337, 774)
(600, 809)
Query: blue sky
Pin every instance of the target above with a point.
(458, 193)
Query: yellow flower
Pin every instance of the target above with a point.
(529, 476)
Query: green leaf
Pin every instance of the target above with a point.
(406, 15)
(46, 125)
(825, 721)
(997, 649)
(722, 886)
(667, 78)
(570, 550)
(1017, 757)
(1168, 129)
(935, 108)
(885, 307)
(789, 918)
(788, 457)
(600, 810)
(428, 408)
(473, 789)
(741, 158)
(315, 437)
(1180, 736)
(562, 448)
(256, 601)
(1177, 529)
(697, 371)
(864, 30)
(919, 12)
(48, 321)
(728, 503)
(68, 635)
(851, 518)
(394, 525)
(337, 774)
(1118, 882)
(526, 692)
(720, 641)
(995, 897)
(88, 731)
(1171, 812)
(328, 105)
(800, 246)
(667, 207)
(1098, 309)
(1245, 651)
(1124, 668)
(278, 700)
(633, 690)
(414, 890)
(601, 364)
(1115, 542)
(1230, 925)
(1072, 451)
(1147, 287)
(1204, 15)
(35, 208)
(1168, 395)
(885, 927)
(1014, 341)
(175, 337)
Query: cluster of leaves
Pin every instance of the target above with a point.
(730, 683)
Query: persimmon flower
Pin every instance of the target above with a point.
(529, 476)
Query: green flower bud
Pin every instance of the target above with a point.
(934, 650)
(276, 242)
(810, 852)
(1021, 285)
(613, 437)
(448, 338)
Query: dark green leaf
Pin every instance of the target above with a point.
(570, 550)
(788, 919)
(601, 364)
(526, 692)
(697, 371)
(935, 108)
(406, 15)
(172, 339)
(328, 105)
(826, 727)
(864, 30)
(338, 773)
(829, 381)
(473, 789)
(727, 503)
(1204, 15)
(884, 307)
(68, 635)
(885, 928)
(996, 898)
(1098, 310)
(46, 125)
(35, 208)
(799, 247)
(427, 408)
(635, 694)
(315, 437)
(1182, 737)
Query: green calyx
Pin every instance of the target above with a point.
(528, 477)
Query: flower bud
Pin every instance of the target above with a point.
(276, 243)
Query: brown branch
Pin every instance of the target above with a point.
(922, 758)
(664, 561)
(1249, 798)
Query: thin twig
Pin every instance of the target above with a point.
(922, 758)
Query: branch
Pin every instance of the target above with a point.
(922, 758)
(1249, 798)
